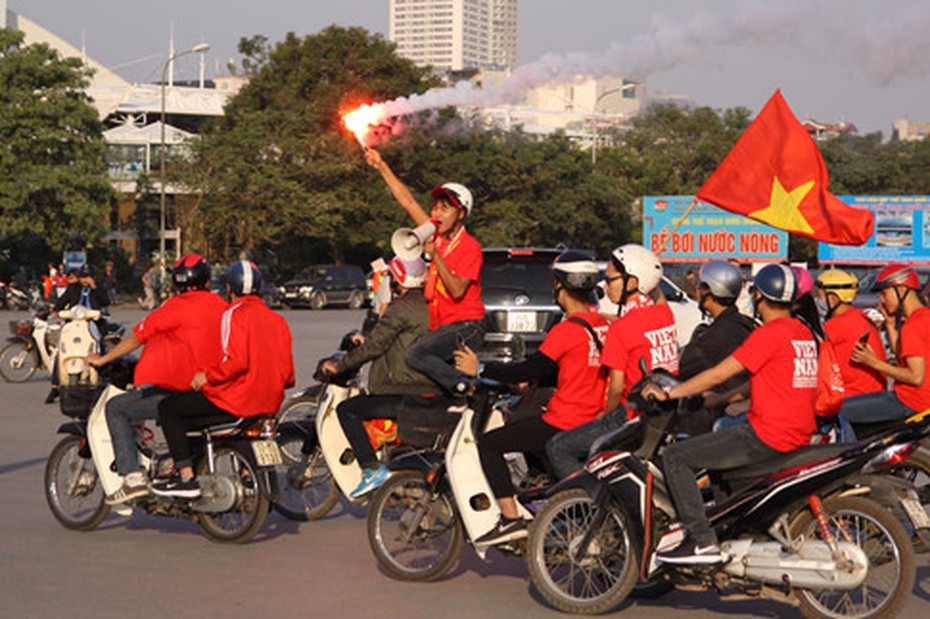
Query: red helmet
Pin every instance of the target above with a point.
(896, 275)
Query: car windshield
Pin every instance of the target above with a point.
(529, 274)
(312, 274)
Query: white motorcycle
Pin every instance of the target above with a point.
(234, 463)
(418, 520)
(31, 345)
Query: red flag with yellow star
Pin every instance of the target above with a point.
(775, 174)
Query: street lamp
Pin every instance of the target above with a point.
(622, 88)
(197, 49)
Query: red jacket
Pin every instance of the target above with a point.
(257, 364)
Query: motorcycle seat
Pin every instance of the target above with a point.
(791, 459)
(231, 428)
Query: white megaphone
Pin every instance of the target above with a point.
(407, 243)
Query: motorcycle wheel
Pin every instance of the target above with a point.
(916, 470)
(248, 514)
(890, 579)
(17, 362)
(306, 488)
(72, 487)
(413, 535)
(302, 412)
(596, 583)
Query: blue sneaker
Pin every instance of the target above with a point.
(371, 480)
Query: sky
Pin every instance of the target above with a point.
(862, 61)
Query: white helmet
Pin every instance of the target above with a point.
(456, 193)
(638, 261)
(408, 273)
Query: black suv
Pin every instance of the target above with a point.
(325, 284)
(516, 287)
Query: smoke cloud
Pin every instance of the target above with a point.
(888, 47)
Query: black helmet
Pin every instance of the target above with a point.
(86, 270)
(190, 272)
(722, 278)
(776, 283)
(244, 278)
(576, 271)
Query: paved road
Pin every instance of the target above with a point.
(146, 567)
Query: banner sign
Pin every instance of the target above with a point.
(902, 232)
(707, 232)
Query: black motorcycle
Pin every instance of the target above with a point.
(798, 528)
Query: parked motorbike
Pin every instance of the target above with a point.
(32, 345)
(235, 465)
(434, 500)
(798, 528)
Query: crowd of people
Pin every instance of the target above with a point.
(751, 375)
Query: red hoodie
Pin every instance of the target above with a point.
(257, 364)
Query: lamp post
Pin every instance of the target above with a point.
(197, 49)
(622, 88)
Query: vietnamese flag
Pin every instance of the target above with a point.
(775, 175)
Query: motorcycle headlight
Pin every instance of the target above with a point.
(79, 312)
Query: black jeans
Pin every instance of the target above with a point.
(354, 411)
(528, 434)
(184, 412)
(729, 448)
(431, 354)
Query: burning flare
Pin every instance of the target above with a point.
(362, 119)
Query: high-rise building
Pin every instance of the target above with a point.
(453, 35)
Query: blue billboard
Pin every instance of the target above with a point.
(707, 232)
(902, 232)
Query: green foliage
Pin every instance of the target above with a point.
(53, 179)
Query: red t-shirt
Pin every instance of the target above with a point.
(646, 331)
(257, 365)
(462, 254)
(579, 394)
(181, 338)
(781, 356)
(844, 332)
(915, 342)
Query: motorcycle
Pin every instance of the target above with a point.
(32, 345)
(235, 465)
(418, 520)
(318, 463)
(798, 528)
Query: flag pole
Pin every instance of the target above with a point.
(659, 251)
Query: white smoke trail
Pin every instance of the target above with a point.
(890, 46)
(666, 45)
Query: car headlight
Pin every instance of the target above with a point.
(305, 291)
(281, 290)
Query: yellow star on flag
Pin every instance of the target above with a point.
(782, 211)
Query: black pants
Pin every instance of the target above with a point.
(527, 434)
(354, 411)
(184, 412)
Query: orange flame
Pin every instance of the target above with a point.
(360, 120)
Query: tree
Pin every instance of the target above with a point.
(278, 167)
(53, 178)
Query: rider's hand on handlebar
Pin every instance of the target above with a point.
(94, 359)
(199, 380)
(328, 368)
(654, 392)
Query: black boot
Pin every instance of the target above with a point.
(52, 395)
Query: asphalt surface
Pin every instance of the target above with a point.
(147, 567)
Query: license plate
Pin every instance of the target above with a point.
(266, 453)
(916, 512)
(521, 322)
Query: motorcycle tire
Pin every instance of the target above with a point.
(892, 566)
(306, 488)
(18, 363)
(598, 582)
(72, 488)
(916, 470)
(432, 547)
(247, 516)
